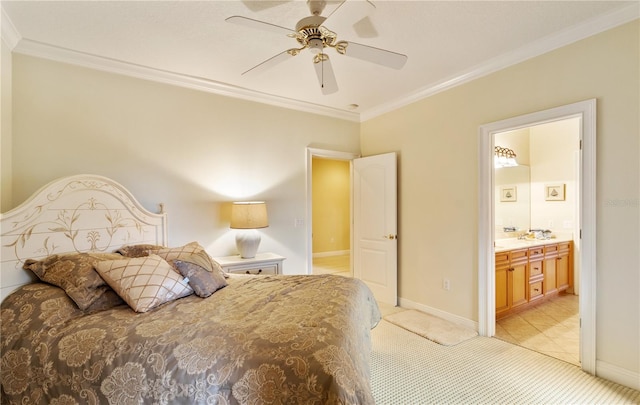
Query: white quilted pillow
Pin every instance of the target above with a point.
(143, 282)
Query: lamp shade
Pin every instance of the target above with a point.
(249, 215)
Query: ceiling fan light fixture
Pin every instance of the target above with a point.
(316, 45)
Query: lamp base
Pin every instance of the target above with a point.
(247, 242)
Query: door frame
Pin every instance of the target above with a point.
(586, 111)
(327, 154)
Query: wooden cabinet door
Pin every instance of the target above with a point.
(502, 283)
(502, 289)
(550, 283)
(519, 284)
(562, 269)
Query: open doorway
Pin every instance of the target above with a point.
(585, 111)
(529, 226)
(331, 216)
(333, 256)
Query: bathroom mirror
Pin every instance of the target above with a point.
(512, 200)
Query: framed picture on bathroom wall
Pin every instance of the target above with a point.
(508, 194)
(554, 192)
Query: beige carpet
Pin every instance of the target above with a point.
(407, 369)
(431, 327)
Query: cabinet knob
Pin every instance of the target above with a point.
(536, 268)
(259, 271)
(536, 289)
(511, 269)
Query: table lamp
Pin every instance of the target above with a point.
(248, 216)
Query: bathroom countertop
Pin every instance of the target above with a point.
(502, 245)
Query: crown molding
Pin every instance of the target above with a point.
(9, 33)
(46, 51)
(592, 27)
(544, 45)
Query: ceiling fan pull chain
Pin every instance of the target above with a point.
(322, 67)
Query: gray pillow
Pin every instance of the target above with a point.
(203, 282)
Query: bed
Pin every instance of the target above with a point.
(205, 338)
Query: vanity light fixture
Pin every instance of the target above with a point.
(504, 157)
(248, 216)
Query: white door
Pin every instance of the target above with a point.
(375, 249)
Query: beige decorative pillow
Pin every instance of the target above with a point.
(139, 250)
(191, 252)
(74, 273)
(144, 282)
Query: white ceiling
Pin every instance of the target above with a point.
(190, 44)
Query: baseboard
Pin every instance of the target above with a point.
(618, 374)
(332, 253)
(458, 320)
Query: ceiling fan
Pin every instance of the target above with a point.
(312, 34)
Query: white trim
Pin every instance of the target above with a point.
(547, 44)
(330, 154)
(332, 253)
(572, 34)
(618, 374)
(458, 320)
(10, 34)
(486, 275)
(37, 49)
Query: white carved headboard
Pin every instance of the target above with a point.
(83, 213)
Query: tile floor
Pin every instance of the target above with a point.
(552, 328)
(340, 265)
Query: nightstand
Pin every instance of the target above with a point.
(263, 263)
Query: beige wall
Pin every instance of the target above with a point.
(331, 193)
(5, 127)
(196, 152)
(437, 141)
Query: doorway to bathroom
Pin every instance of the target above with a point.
(528, 220)
(585, 112)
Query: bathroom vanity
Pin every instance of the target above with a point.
(531, 271)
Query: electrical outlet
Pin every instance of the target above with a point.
(446, 284)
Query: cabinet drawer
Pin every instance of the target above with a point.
(550, 250)
(536, 251)
(535, 268)
(564, 246)
(502, 257)
(519, 255)
(535, 290)
(269, 269)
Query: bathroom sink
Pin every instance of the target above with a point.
(516, 243)
(513, 243)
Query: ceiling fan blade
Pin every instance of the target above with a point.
(261, 25)
(324, 71)
(273, 61)
(375, 55)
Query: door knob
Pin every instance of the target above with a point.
(390, 236)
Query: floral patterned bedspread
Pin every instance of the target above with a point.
(260, 340)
